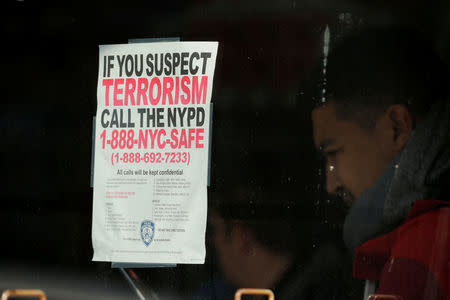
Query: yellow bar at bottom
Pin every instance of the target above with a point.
(266, 292)
(23, 293)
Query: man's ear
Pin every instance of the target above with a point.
(401, 122)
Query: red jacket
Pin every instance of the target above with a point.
(413, 261)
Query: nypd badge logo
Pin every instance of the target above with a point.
(147, 232)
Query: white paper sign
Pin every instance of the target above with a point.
(151, 152)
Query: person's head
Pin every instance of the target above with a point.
(258, 227)
(248, 245)
(261, 200)
(379, 83)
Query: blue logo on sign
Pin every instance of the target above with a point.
(147, 232)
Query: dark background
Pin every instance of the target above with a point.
(49, 77)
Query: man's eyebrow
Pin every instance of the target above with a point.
(325, 143)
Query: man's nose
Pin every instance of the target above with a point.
(333, 182)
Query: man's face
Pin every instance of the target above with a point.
(355, 157)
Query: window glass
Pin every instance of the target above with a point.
(277, 211)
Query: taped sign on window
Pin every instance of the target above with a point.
(151, 152)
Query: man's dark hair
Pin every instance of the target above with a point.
(377, 67)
